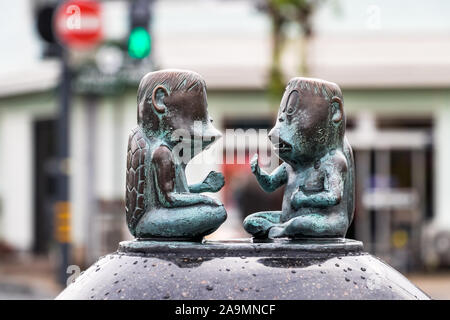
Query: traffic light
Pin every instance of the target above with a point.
(44, 16)
(139, 43)
(139, 40)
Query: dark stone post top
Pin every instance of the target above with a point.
(298, 252)
(241, 269)
(244, 247)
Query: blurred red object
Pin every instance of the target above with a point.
(77, 24)
(6, 249)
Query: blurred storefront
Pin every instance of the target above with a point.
(396, 85)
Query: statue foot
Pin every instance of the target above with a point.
(276, 232)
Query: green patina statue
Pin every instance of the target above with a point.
(318, 168)
(173, 127)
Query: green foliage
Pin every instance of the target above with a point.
(282, 12)
(276, 84)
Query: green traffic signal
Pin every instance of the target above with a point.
(139, 43)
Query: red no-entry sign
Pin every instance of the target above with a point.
(77, 23)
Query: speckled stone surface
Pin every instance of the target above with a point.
(241, 269)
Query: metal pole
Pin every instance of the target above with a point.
(62, 206)
(418, 176)
(362, 220)
(383, 217)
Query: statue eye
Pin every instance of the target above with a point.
(292, 102)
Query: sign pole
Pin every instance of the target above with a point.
(62, 206)
(77, 25)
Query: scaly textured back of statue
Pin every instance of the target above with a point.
(136, 183)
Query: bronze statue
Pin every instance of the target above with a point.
(318, 168)
(173, 126)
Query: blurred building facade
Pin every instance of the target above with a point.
(392, 61)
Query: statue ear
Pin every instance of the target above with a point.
(158, 96)
(338, 113)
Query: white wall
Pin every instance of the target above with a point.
(79, 181)
(16, 176)
(442, 168)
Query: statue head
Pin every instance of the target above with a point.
(310, 122)
(172, 105)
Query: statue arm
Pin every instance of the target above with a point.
(164, 171)
(213, 182)
(197, 188)
(269, 182)
(326, 198)
(330, 196)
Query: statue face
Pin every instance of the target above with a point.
(187, 117)
(303, 129)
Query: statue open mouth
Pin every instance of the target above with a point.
(282, 146)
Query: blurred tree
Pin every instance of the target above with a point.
(282, 12)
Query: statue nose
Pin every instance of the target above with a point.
(281, 118)
(273, 134)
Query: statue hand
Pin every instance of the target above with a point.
(215, 181)
(298, 199)
(254, 164)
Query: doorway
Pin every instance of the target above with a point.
(394, 181)
(44, 184)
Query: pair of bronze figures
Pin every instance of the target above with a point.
(309, 136)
